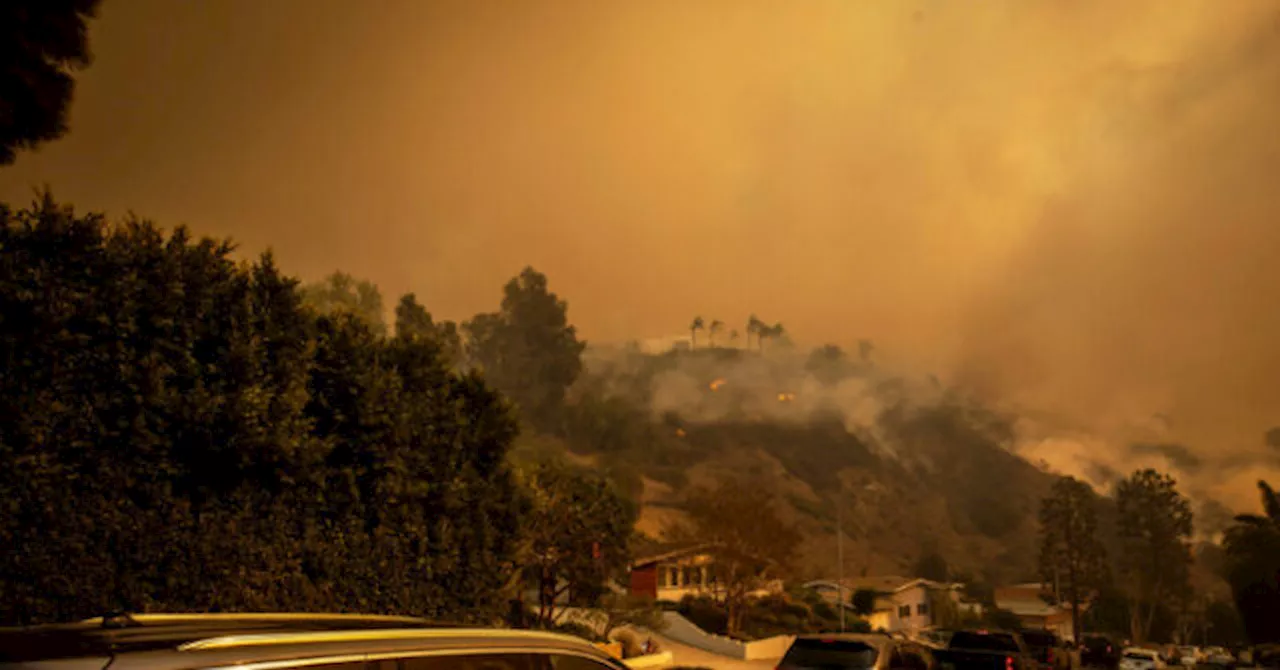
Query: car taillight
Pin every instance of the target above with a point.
(1008, 663)
(1050, 656)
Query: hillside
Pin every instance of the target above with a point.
(915, 468)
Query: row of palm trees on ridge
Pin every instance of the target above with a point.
(761, 330)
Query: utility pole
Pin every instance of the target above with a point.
(840, 554)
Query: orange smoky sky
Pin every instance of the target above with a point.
(1069, 206)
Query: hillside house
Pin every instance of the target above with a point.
(903, 604)
(672, 575)
(1026, 601)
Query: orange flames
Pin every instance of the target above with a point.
(715, 385)
(786, 397)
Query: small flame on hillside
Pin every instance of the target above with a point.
(715, 385)
(786, 397)
(680, 432)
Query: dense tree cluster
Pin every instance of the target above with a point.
(178, 431)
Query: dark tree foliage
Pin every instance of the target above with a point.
(178, 433)
(1073, 561)
(577, 533)
(1253, 568)
(414, 321)
(863, 602)
(528, 350)
(1155, 524)
(340, 293)
(753, 545)
(932, 566)
(41, 43)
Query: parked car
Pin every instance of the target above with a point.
(1137, 658)
(985, 650)
(1188, 656)
(290, 642)
(1047, 649)
(1099, 651)
(855, 651)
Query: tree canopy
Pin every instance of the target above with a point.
(1072, 558)
(1155, 526)
(577, 534)
(340, 293)
(528, 350)
(41, 44)
(1253, 568)
(153, 457)
(753, 545)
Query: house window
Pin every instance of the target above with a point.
(904, 611)
(686, 579)
(663, 579)
(673, 577)
(922, 609)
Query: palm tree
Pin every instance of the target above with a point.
(733, 335)
(716, 326)
(1253, 567)
(754, 327)
(693, 331)
(773, 333)
(1271, 507)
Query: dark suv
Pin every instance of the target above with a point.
(1100, 651)
(288, 641)
(1047, 649)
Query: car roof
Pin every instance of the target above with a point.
(873, 639)
(163, 642)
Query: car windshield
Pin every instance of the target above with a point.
(1139, 656)
(984, 641)
(830, 653)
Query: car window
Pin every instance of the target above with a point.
(830, 653)
(909, 658)
(479, 661)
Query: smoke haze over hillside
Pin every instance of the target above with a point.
(1067, 208)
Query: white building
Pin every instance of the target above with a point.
(902, 604)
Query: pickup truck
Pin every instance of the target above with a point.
(984, 650)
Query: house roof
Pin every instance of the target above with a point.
(672, 554)
(881, 584)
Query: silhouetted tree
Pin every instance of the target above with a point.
(863, 602)
(693, 330)
(414, 321)
(528, 350)
(1072, 560)
(1155, 525)
(1253, 568)
(754, 326)
(41, 44)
